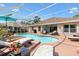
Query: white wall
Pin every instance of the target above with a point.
(77, 28)
(35, 28)
(60, 30)
(30, 29)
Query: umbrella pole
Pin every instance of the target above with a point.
(6, 22)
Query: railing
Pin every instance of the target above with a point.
(54, 48)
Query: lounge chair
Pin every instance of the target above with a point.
(4, 51)
(54, 33)
(34, 44)
(77, 35)
(74, 38)
(23, 40)
(3, 43)
(44, 50)
(44, 32)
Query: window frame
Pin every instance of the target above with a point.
(66, 29)
(69, 28)
(73, 30)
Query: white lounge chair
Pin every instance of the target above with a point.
(53, 33)
(44, 50)
(74, 38)
(4, 43)
(8, 44)
(23, 40)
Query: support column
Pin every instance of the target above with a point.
(30, 29)
(12, 29)
(77, 28)
(41, 28)
(60, 29)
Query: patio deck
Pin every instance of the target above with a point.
(67, 48)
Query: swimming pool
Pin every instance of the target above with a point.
(43, 39)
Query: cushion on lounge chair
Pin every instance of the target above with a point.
(74, 38)
(4, 43)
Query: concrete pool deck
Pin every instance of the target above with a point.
(66, 48)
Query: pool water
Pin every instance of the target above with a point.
(41, 38)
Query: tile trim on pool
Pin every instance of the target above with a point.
(43, 36)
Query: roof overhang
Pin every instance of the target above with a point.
(70, 21)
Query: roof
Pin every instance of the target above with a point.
(52, 20)
(56, 21)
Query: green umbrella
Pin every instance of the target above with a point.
(3, 18)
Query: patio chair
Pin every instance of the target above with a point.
(76, 35)
(54, 33)
(3, 43)
(44, 32)
(74, 38)
(44, 50)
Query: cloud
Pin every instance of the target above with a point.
(73, 10)
(2, 5)
(15, 10)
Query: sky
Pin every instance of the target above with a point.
(43, 10)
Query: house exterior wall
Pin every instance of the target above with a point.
(60, 29)
(36, 28)
(41, 29)
(47, 28)
(78, 28)
(30, 29)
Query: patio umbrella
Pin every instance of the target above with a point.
(3, 18)
(6, 19)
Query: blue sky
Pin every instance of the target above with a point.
(27, 10)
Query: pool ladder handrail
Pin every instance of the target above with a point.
(58, 44)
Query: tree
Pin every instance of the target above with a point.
(22, 22)
(30, 21)
(76, 16)
(36, 19)
(3, 32)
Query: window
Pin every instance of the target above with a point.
(66, 28)
(72, 28)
